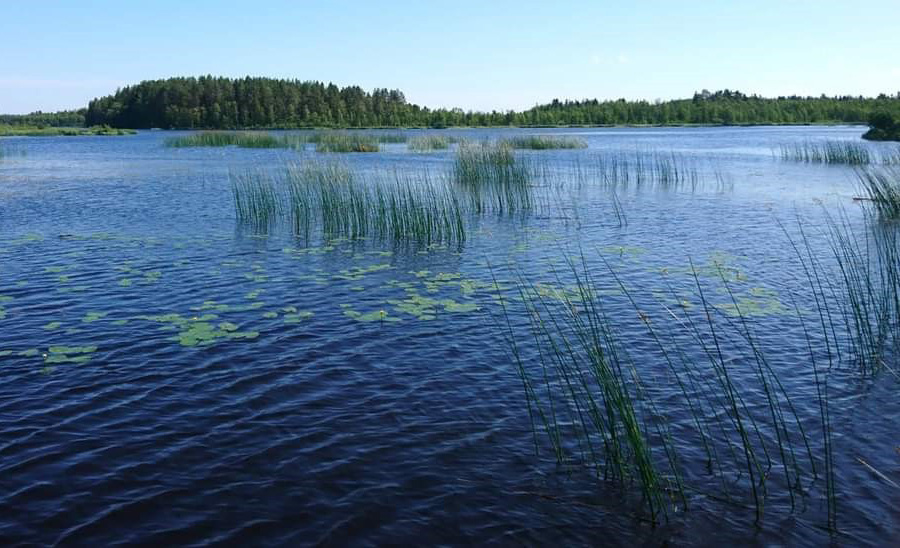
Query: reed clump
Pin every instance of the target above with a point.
(639, 169)
(603, 404)
(242, 139)
(881, 190)
(828, 152)
(346, 142)
(257, 202)
(493, 177)
(427, 143)
(545, 142)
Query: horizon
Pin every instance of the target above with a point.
(503, 56)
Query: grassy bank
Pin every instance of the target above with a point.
(34, 131)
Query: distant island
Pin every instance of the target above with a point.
(210, 102)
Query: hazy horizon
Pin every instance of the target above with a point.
(502, 56)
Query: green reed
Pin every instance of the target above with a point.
(828, 152)
(257, 202)
(545, 142)
(243, 139)
(347, 142)
(493, 177)
(881, 188)
(328, 199)
(639, 169)
(427, 143)
(592, 396)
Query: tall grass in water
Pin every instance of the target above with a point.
(329, 200)
(430, 142)
(545, 142)
(881, 188)
(493, 177)
(243, 139)
(592, 395)
(639, 169)
(343, 204)
(256, 200)
(828, 152)
(347, 142)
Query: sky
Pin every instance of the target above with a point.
(478, 55)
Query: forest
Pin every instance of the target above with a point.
(211, 102)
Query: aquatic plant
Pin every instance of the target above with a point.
(426, 143)
(492, 176)
(344, 204)
(638, 169)
(545, 142)
(347, 142)
(881, 189)
(243, 139)
(827, 152)
(256, 200)
(591, 394)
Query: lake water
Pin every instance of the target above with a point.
(168, 376)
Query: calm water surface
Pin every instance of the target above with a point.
(169, 377)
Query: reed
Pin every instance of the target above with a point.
(545, 142)
(427, 143)
(602, 404)
(243, 139)
(828, 152)
(881, 190)
(257, 202)
(493, 177)
(347, 142)
(639, 169)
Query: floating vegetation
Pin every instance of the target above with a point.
(200, 331)
(493, 177)
(69, 354)
(828, 152)
(545, 142)
(881, 188)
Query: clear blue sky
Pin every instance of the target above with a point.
(486, 54)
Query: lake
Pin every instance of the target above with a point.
(173, 376)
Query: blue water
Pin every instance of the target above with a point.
(168, 376)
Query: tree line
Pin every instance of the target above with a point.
(211, 102)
